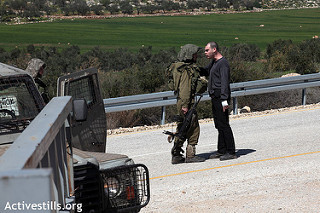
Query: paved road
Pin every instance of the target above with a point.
(278, 169)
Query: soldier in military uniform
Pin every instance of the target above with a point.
(36, 69)
(186, 83)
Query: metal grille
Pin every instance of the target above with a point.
(17, 105)
(127, 187)
(82, 88)
(88, 188)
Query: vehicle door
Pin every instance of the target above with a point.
(88, 135)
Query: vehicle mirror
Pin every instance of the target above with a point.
(80, 109)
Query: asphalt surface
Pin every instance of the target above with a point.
(278, 168)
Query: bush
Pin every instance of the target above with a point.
(301, 61)
(311, 48)
(247, 71)
(309, 57)
(122, 119)
(4, 56)
(278, 62)
(302, 58)
(126, 7)
(150, 77)
(97, 9)
(243, 52)
(278, 46)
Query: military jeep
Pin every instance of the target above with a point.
(20, 103)
(103, 182)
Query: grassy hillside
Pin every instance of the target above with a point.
(164, 32)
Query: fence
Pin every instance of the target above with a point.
(35, 170)
(163, 99)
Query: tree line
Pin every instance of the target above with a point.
(31, 9)
(123, 72)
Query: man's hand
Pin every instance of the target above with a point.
(225, 105)
(184, 110)
(225, 108)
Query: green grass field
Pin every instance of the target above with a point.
(165, 31)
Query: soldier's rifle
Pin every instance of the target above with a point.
(187, 122)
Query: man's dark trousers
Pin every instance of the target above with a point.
(221, 121)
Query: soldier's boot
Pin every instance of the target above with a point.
(177, 155)
(191, 155)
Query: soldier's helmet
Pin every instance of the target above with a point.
(186, 52)
(34, 66)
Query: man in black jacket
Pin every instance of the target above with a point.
(219, 91)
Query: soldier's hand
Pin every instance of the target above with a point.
(184, 110)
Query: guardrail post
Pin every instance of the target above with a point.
(304, 96)
(163, 113)
(235, 105)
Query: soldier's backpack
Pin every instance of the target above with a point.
(174, 71)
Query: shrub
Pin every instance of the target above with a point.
(301, 61)
(311, 48)
(97, 9)
(4, 56)
(243, 52)
(277, 46)
(278, 62)
(247, 71)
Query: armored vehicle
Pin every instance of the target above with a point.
(20, 103)
(103, 182)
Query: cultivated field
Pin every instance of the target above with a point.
(162, 32)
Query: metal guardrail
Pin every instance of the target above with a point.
(36, 168)
(163, 99)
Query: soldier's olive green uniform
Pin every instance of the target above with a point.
(186, 83)
(34, 65)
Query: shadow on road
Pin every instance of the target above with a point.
(239, 153)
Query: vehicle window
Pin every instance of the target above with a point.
(82, 88)
(16, 104)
